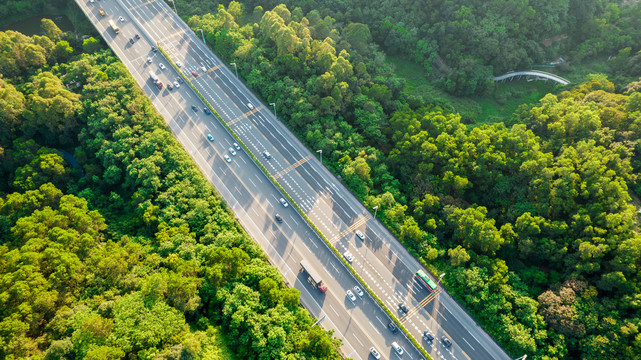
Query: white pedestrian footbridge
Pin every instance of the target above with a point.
(531, 75)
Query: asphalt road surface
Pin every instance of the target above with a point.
(383, 263)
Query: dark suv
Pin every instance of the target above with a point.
(279, 218)
(392, 326)
(446, 341)
(403, 308)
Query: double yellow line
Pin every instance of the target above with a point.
(350, 229)
(421, 305)
(243, 116)
(292, 166)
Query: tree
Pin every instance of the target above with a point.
(51, 108)
(458, 256)
(51, 29)
(46, 167)
(473, 228)
(12, 104)
(62, 51)
(359, 37)
(91, 45)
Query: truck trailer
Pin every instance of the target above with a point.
(312, 276)
(154, 77)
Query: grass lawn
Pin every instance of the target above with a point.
(497, 106)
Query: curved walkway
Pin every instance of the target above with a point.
(539, 75)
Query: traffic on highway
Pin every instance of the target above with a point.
(328, 289)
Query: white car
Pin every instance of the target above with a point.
(203, 68)
(250, 106)
(348, 256)
(161, 66)
(360, 235)
(374, 353)
(227, 158)
(149, 60)
(122, 19)
(351, 296)
(282, 201)
(236, 146)
(358, 291)
(179, 64)
(176, 84)
(232, 151)
(397, 348)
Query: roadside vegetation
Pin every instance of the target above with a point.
(528, 213)
(112, 243)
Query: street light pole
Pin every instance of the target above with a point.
(274, 105)
(203, 34)
(235, 67)
(321, 155)
(375, 210)
(439, 281)
(176, 11)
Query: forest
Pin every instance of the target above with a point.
(113, 245)
(532, 218)
(535, 218)
(461, 43)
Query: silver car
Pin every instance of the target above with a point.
(351, 296)
(397, 348)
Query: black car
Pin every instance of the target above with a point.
(193, 107)
(131, 40)
(170, 86)
(446, 341)
(279, 218)
(206, 110)
(427, 336)
(153, 49)
(403, 308)
(137, 37)
(392, 326)
(180, 80)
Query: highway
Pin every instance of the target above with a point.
(383, 263)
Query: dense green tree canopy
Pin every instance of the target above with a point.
(130, 254)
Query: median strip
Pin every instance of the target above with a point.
(300, 211)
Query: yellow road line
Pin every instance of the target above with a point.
(143, 4)
(243, 116)
(351, 228)
(177, 33)
(421, 305)
(293, 166)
